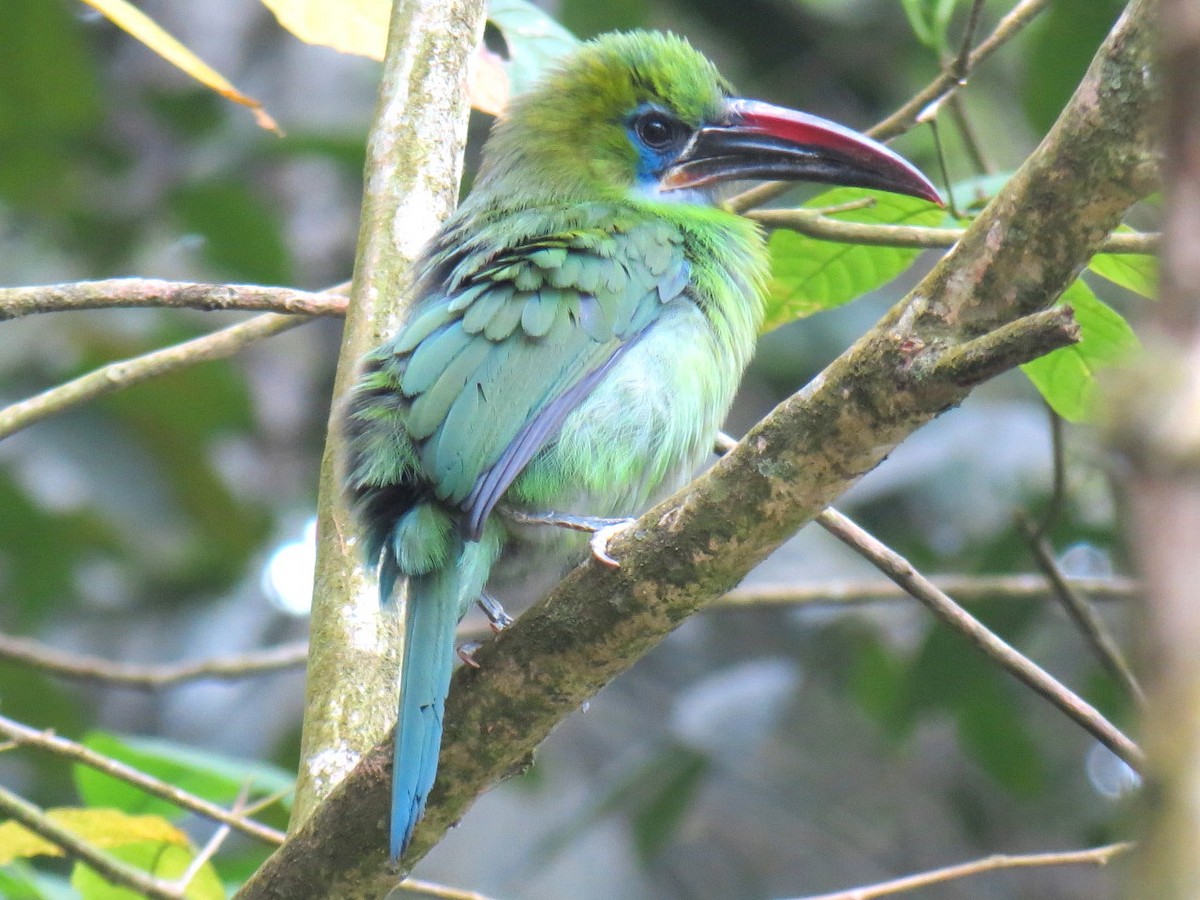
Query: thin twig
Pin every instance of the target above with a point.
(929, 117)
(1058, 483)
(1096, 856)
(1081, 612)
(117, 293)
(970, 139)
(812, 224)
(107, 866)
(151, 676)
(115, 376)
(954, 77)
(71, 750)
(212, 845)
(962, 63)
(968, 588)
(1030, 673)
(837, 592)
(906, 116)
(440, 891)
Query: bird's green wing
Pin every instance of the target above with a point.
(487, 369)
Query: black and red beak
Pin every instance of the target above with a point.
(771, 143)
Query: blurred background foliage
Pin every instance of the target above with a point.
(760, 753)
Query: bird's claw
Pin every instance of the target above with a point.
(466, 652)
(603, 536)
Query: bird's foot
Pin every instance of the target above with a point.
(497, 618)
(603, 536)
(466, 652)
(602, 529)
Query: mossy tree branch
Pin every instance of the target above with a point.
(414, 163)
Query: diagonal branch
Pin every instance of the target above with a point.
(1038, 679)
(1014, 260)
(24, 736)
(114, 376)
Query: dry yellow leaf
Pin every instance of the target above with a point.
(101, 827)
(348, 26)
(360, 27)
(135, 22)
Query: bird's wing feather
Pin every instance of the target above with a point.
(488, 368)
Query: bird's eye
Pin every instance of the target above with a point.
(659, 131)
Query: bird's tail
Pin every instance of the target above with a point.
(430, 622)
(436, 601)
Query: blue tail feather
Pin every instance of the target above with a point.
(435, 603)
(424, 683)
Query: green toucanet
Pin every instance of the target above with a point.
(578, 330)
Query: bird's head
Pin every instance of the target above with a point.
(645, 113)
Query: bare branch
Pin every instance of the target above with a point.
(67, 749)
(1082, 612)
(152, 677)
(119, 293)
(107, 866)
(439, 891)
(968, 588)
(115, 376)
(211, 846)
(954, 76)
(812, 223)
(841, 592)
(1024, 669)
(1097, 856)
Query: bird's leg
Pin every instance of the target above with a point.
(602, 529)
(497, 618)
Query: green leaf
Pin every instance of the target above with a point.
(49, 105)
(215, 778)
(1060, 47)
(243, 234)
(534, 40)
(993, 734)
(21, 881)
(877, 682)
(666, 799)
(165, 861)
(587, 18)
(929, 20)
(18, 884)
(810, 275)
(915, 11)
(1067, 377)
(1135, 272)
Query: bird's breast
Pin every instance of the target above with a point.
(646, 426)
